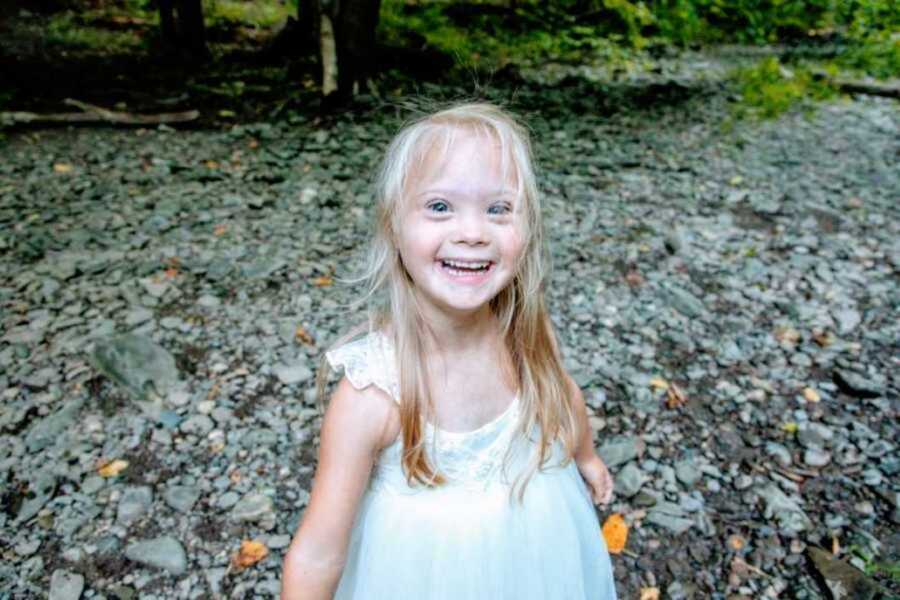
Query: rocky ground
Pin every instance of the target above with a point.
(727, 298)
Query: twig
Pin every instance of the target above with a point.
(97, 114)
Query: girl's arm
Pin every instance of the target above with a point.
(356, 426)
(591, 466)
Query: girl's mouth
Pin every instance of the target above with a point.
(473, 271)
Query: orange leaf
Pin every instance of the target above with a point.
(323, 281)
(171, 273)
(650, 593)
(823, 338)
(62, 167)
(112, 468)
(211, 164)
(251, 552)
(675, 396)
(302, 335)
(615, 532)
(736, 542)
(811, 395)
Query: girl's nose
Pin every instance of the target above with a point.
(471, 230)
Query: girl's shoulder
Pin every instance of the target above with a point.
(368, 360)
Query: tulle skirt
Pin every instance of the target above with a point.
(465, 542)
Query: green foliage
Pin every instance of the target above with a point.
(769, 88)
(254, 13)
(79, 32)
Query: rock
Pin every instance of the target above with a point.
(842, 580)
(814, 457)
(252, 507)
(780, 453)
(814, 435)
(47, 431)
(629, 480)
(198, 425)
(137, 363)
(847, 320)
(683, 301)
(857, 385)
(669, 516)
(65, 585)
(687, 472)
(135, 501)
(619, 451)
(790, 517)
(289, 374)
(163, 553)
(181, 497)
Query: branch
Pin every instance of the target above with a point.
(96, 114)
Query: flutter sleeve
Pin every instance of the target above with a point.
(369, 360)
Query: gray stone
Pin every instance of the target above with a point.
(687, 472)
(137, 363)
(197, 424)
(814, 457)
(847, 320)
(163, 553)
(814, 435)
(135, 501)
(629, 480)
(857, 385)
(780, 453)
(252, 507)
(289, 374)
(619, 451)
(47, 431)
(227, 500)
(65, 585)
(181, 497)
(669, 516)
(683, 301)
(786, 511)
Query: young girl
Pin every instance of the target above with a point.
(453, 450)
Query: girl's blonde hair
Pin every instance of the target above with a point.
(544, 393)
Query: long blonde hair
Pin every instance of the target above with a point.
(520, 308)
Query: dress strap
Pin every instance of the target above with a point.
(366, 361)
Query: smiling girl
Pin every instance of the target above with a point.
(455, 452)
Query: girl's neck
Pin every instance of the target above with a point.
(459, 333)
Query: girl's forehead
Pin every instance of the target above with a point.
(441, 154)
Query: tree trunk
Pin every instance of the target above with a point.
(182, 28)
(347, 44)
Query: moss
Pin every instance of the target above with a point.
(769, 88)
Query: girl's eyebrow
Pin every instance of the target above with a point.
(448, 191)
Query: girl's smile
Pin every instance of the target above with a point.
(460, 233)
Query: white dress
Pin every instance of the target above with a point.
(465, 540)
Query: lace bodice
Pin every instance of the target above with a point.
(472, 459)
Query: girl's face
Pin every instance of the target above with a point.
(460, 234)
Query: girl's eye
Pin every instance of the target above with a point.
(438, 206)
(501, 208)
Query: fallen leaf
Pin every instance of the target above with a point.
(736, 180)
(823, 338)
(211, 164)
(251, 552)
(811, 395)
(220, 229)
(171, 273)
(253, 143)
(835, 546)
(736, 542)
(649, 593)
(675, 397)
(302, 335)
(112, 468)
(225, 113)
(62, 167)
(659, 383)
(789, 427)
(787, 334)
(634, 279)
(323, 281)
(235, 477)
(615, 532)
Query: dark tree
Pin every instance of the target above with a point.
(347, 44)
(182, 27)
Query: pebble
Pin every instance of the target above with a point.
(815, 457)
(181, 497)
(65, 585)
(135, 501)
(163, 553)
(629, 480)
(252, 507)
